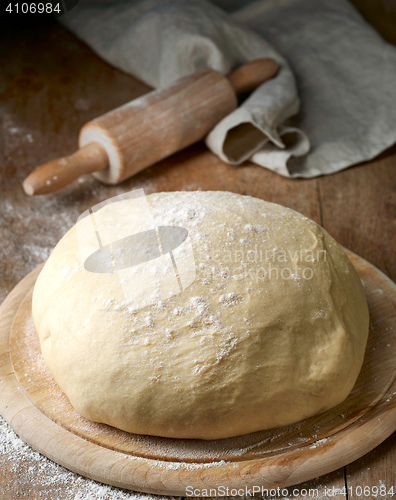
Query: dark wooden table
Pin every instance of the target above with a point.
(50, 85)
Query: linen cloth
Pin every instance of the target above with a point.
(343, 71)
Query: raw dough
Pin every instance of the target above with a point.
(234, 352)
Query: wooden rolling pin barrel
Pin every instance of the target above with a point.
(124, 141)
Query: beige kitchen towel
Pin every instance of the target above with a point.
(345, 73)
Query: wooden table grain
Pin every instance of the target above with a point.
(50, 85)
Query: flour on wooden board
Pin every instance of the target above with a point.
(52, 480)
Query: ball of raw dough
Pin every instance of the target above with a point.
(265, 326)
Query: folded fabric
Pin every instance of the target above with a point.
(345, 73)
(346, 77)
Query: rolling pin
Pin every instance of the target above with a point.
(138, 134)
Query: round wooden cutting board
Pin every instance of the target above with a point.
(41, 415)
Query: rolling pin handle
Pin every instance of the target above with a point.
(252, 74)
(59, 173)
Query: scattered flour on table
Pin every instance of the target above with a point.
(56, 483)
